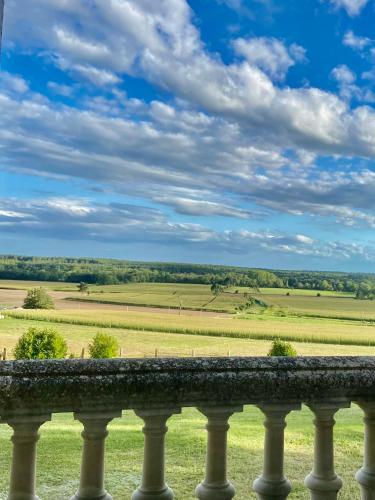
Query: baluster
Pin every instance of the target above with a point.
(272, 484)
(366, 475)
(23, 469)
(153, 483)
(91, 485)
(216, 486)
(323, 482)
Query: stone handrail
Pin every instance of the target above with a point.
(97, 391)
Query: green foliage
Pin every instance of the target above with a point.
(366, 290)
(83, 287)
(38, 298)
(252, 303)
(110, 272)
(104, 346)
(217, 289)
(44, 343)
(282, 348)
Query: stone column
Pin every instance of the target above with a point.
(272, 484)
(323, 482)
(91, 485)
(23, 471)
(366, 475)
(216, 486)
(153, 484)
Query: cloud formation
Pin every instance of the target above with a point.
(129, 224)
(352, 7)
(218, 138)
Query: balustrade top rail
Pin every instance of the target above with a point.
(29, 387)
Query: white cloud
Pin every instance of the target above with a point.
(352, 7)
(356, 42)
(121, 224)
(348, 89)
(158, 42)
(14, 83)
(230, 134)
(270, 55)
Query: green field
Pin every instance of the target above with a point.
(135, 343)
(251, 326)
(60, 445)
(199, 297)
(149, 333)
(26, 285)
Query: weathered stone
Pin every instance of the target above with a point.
(84, 385)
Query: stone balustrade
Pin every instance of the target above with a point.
(97, 391)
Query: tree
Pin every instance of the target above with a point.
(104, 346)
(83, 287)
(38, 298)
(282, 348)
(44, 343)
(217, 289)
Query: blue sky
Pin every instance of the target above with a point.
(227, 131)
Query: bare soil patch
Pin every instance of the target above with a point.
(15, 298)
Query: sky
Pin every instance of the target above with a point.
(236, 132)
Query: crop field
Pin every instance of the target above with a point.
(260, 327)
(135, 343)
(60, 445)
(199, 297)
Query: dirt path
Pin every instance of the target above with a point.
(15, 298)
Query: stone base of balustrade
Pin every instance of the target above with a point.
(22, 496)
(105, 496)
(319, 487)
(366, 481)
(275, 490)
(165, 494)
(207, 492)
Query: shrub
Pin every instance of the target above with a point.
(37, 343)
(318, 294)
(38, 298)
(282, 348)
(287, 293)
(104, 346)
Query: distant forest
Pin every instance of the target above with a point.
(111, 272)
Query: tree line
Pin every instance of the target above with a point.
(112, 272)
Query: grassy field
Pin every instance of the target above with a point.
(60, 445)
(300, 302)
(251, 327)
(135, 343)
(26, 285)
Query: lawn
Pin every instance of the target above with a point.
(60, 445)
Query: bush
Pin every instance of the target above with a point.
(282, 348)
(37, 343)
(104, 346)
(318, 294)
(38, 298)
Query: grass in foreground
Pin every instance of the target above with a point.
(60, 447)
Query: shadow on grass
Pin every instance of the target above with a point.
(59, 453)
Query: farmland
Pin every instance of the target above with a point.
(315, 325)
(330, 319)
